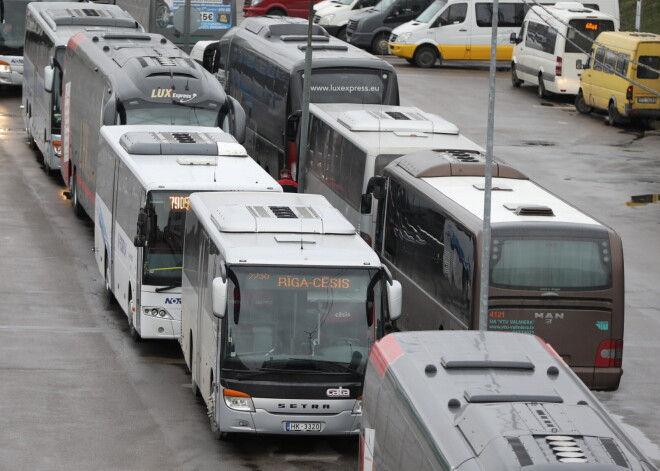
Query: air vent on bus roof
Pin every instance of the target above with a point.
(181, 143)
(86, 17)
(399, 119)
(453, 162)
(529, 209)
(165, 61)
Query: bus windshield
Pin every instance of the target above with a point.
(428, 14)
(301, 320)
(538, 263)
(348, 85)
(582, 33)
(144, 112)
(163, 253)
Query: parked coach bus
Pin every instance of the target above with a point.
(281, 304)
(12, 37)
(554, 271)
(474, 401)
(264, 59)
(145, 175)
(350, 143)
(131, 78)
(49, 26)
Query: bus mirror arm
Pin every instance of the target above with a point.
(219, 292)
(49, 75)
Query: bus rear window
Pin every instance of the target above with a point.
(648, 67)
(349, 86)
(582, 33)
(550, 264)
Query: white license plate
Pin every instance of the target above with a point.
(302, 426)
(646, 99)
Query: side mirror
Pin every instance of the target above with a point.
(49, 77)
(365, 203)
(237, 119)
(219, 294)
(394, 299)
(513, 39)
(376, 185)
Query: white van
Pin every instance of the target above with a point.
(457, 29)
(551, 40)
(461, 29)
(334, 15)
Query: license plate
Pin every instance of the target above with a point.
(646, 99)
(302, 426)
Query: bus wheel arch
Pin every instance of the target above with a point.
(193, 383)
(542, 92)
(135, 335)
(425, 56)
(515, 80)
(75, 200)
(277, 12)
(613, 116)
(581, 105)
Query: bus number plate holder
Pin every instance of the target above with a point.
(646, 99)
(302, 426)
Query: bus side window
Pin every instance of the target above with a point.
(599, 58)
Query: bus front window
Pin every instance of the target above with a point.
(301, 320)
(163, 253)
(144, 112)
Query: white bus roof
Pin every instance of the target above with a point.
(559, 14)
(63, 19)
(513, 200)
(193, 158)
(388, 129)
(281, 229)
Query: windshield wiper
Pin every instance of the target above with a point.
(166, 288)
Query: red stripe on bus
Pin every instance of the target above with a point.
(75, 40)
(385, 352)
(549, 348)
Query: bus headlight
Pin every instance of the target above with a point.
(57, 149)
(403, 38)
(4, 68)
(357, 408)
(237, 400)
(327, 19)
(157, 312)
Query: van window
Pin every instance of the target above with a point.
(599, 58)
(541, 37)
(622, 64)
(610, 62)
(582, 33)
(509, 14)
(428, 14)
(454, 14)
(384, 5)
(651, 62)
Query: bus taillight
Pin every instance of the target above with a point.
(629, 93)
(609, 354)
(558, 66)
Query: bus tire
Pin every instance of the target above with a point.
(581, 105)
(75, 202)
(515, 81)
(613, 116)
(542, 92)
(425, 56)
(109, 295)
(276, 12)
(132, 331)
(193, 384)
(379, 44)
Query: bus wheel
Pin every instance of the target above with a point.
(132, 331)
(613, 116)
(193, 384)
(379, 44)
(341, 34)
(77, 207)
(425, 56)
(110, 297)
(581, 105)
(543, 93)
(515, 81)
(276, 12)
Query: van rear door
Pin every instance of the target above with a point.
(648, 56)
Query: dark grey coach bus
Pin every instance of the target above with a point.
(263, 63)
(555, 272)
(131, 78)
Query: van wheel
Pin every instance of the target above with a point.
(515, 81)
(613, 116)
(341, 34)
(425, 56)
(581, 105)
(379, 44)
(276, 12)
(543, 93)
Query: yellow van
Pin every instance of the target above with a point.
(622, 77)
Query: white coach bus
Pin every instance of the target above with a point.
(282, 302)
(144, 177)
(48, 28)
(350, 143)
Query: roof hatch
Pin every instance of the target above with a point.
(181, 143)
(89, 16)
(453, 162)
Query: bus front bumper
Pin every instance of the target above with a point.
(406, 51)
(159, 328)
(11, 77)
